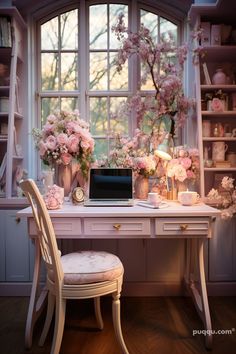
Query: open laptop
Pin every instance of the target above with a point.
(110, 187)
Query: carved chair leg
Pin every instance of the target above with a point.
(116, 321)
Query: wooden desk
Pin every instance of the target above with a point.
(194, 223)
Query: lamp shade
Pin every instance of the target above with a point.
(163, 150)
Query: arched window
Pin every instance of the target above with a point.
(77, 51)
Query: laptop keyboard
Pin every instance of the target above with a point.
(108, 203)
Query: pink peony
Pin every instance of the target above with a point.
(66, 158)
(185, 162)
(51, 142)
(62, 139)
(73, 143)
(42, 148)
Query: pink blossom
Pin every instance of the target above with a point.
(51, 142)
(180, 173)
(42, 148)
(185, 162)
(62, 139)
(66, 158)
(72, 143)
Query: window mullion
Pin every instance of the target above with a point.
(84, 59)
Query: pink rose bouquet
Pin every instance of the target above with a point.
(65, 136)
(224, 197)
(184, 165)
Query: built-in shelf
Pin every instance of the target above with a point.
(17, 157)
(214, 169)
(223, 138)
(223, 113)
(219, 53)
(228, 88)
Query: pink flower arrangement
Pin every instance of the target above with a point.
(225, 199)
(133, 153)
(65, 136)
(54, 197)
(185, 165)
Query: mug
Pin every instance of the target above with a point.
(218, 150)
(188, 198)
(154, 198)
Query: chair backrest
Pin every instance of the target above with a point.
(45, 230)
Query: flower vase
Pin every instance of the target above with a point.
(141, 187)
(63, 177)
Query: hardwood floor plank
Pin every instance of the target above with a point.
(162, 325)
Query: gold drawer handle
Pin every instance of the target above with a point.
(117, 226)
(183, 227)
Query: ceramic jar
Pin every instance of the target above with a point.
(219, 78)
(218, 150)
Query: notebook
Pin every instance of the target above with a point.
(110, 187)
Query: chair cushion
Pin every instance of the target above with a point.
(90, 267)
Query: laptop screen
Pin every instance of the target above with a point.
(111, 183)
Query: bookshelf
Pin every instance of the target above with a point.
(12, 100)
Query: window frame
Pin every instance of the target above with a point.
(134, 9)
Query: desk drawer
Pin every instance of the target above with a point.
(182, 227)
(62, 226)
(117, 226)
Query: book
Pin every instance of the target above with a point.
(206, 74)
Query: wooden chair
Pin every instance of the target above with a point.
(78, 275)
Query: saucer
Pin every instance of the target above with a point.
(146, 204)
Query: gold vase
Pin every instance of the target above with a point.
(141, 187)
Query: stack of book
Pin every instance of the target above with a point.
(5, 31)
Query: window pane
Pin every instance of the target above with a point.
(49, 71)
(49, 35)
(101, 148)
(167, 27)
(98, 26)
(69, 30)
(118, 123)
(68, 71)
(115, 10)
(98, 115)
(98, 71)
(49, 105)
(69, 103)
(150, 20)
(118, 81)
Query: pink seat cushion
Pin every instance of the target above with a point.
(90, 267)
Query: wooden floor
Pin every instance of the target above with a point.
(151, 325)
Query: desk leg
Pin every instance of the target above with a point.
(200, 297)
(35, 305)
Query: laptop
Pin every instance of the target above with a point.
(110, 187)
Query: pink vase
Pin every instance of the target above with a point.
(63, 177)
(141, 187)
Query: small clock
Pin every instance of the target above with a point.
(78, 195)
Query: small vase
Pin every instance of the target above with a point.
(219, 78)
(141, 187)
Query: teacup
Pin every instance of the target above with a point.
(188, 198)
(154, 198)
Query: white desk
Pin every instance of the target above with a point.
(194, 223)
